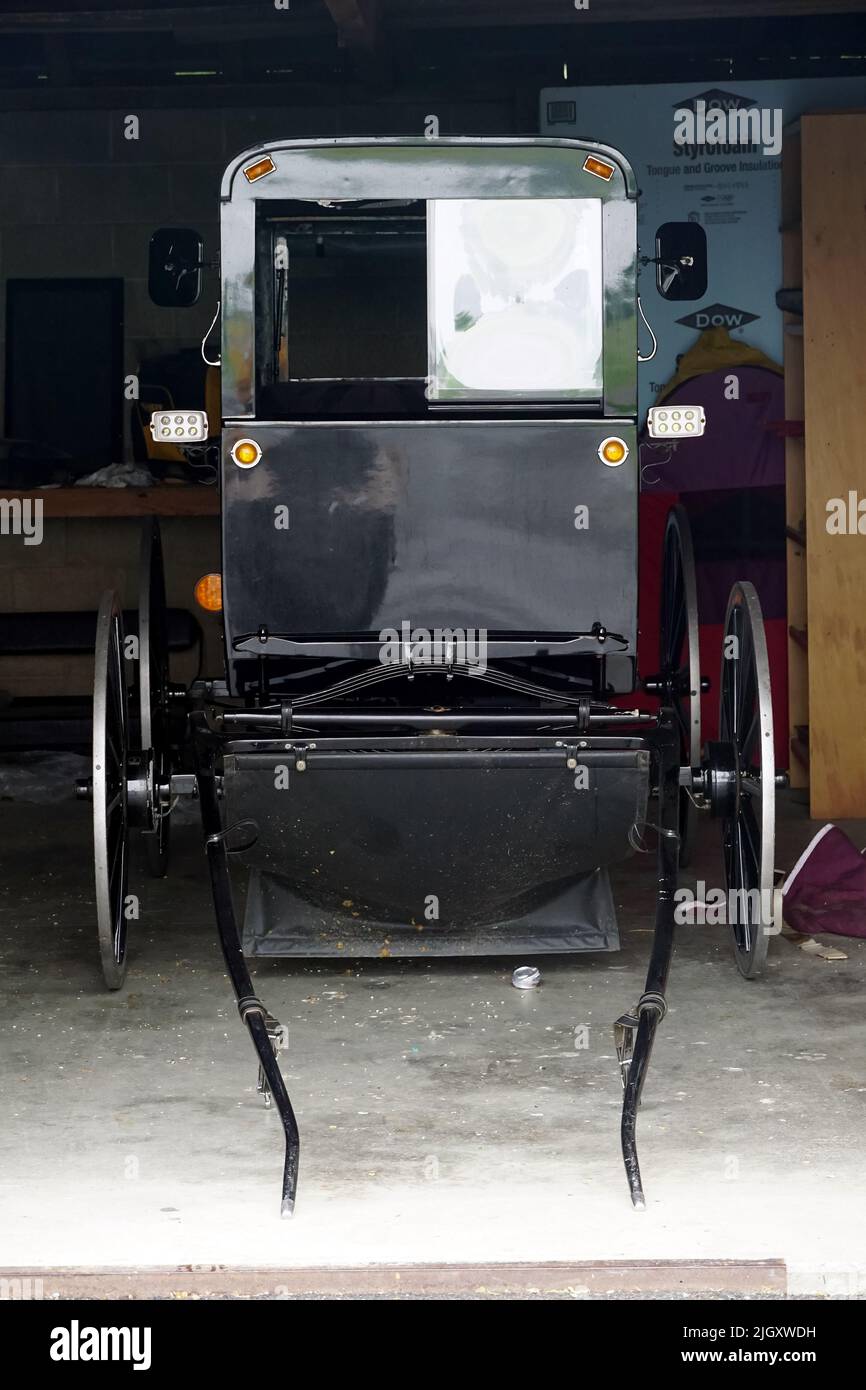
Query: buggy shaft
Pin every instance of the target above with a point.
(251, 1009)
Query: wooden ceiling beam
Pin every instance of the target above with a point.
(215, 18)
(469, 14)
(358, 21)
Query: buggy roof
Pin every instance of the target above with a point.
(413, 167)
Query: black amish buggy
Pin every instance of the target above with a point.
(424, 739)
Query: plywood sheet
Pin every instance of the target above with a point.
(795, 458)
(834, 285)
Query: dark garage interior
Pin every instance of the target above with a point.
(432, 653)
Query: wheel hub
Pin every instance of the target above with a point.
(720, 779)
(140, 789)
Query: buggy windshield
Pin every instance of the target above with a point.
(406, 306)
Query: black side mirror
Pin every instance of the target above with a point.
(174, 267)
(681, 260)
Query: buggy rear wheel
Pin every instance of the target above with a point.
(749, 798)
(153, 693)
(679, 679)
(110, 804)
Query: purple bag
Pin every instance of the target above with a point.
(826, 889)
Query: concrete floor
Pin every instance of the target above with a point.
(445, 1116)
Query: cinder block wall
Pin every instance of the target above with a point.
(77, 198)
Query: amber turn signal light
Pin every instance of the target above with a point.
(613, 451)
(246, 453)
(599, 167)
(256, 171)
(209, 593)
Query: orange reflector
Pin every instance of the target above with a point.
(613, 451)
(209, 593)
(599, 168)
(246, 453)
(262, 167)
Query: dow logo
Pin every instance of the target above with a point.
(718, 316)
(716, 99)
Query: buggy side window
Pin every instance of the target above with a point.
(514, 299)
(342, 292)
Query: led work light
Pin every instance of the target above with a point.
(673, 422)
(178, 426)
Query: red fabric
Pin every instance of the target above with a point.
(653, 518)
(777, 655)
(653, 514)
(738, 450)
(731, 483)
(826, 892)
